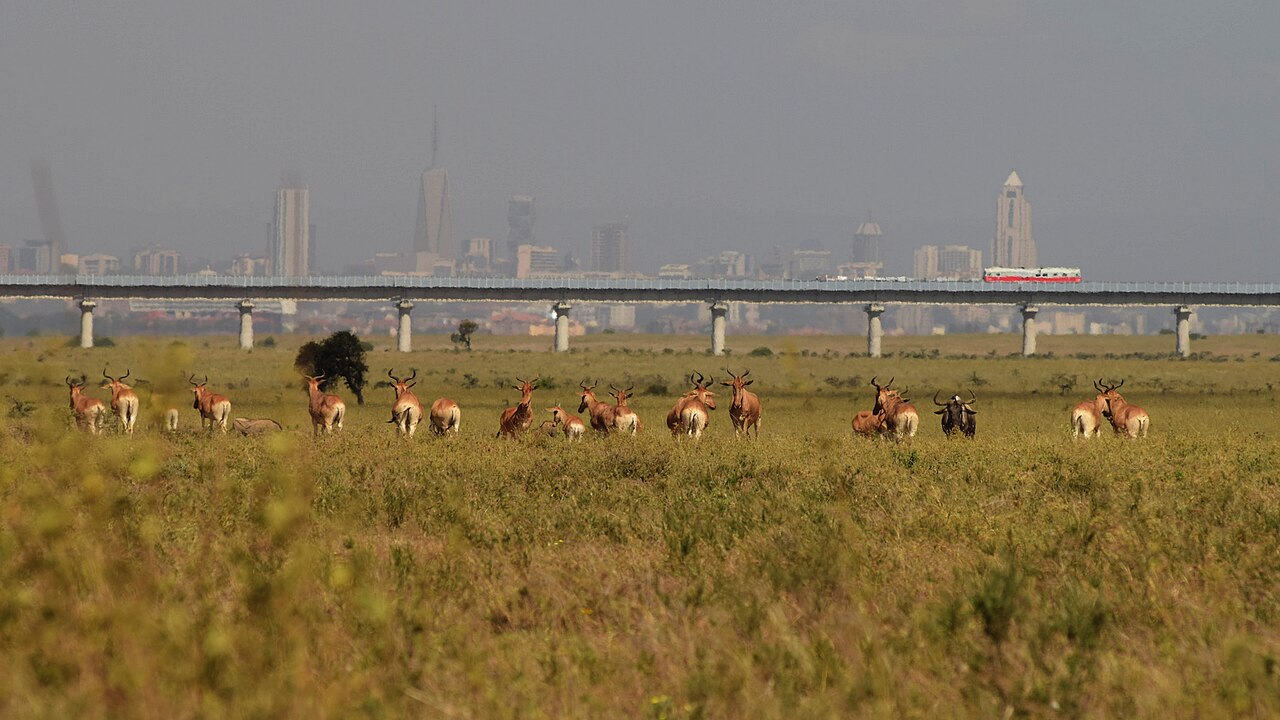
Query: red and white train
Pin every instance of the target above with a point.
(1039, 275)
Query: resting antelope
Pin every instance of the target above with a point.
(1127, 419)
(327, 411)
(601, 413)
(124, 401)
(692, 408)
(572, 425)
(900, 416)
(516, 420)
(255, 426)
(957, 415)
(744, 410)
(88, 410)
(1086, 418)
(624, 418)
(868, 423)
(213, 407)
(406, 411)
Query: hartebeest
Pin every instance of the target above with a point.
(87, 410)
(600, 413)
(744, 410)
(1086, 418)
(255, 426)
(171, 419)
(446, 416)
(213, 407)
(693, 408)
(572, 425)
(868, 423)
(516, 420)
(1127, 419)
(326, 410)
(900, 416)
(624, 418)
(124, 402)
(957, 415)
(406, 411)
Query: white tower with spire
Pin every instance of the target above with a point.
(1013, 245)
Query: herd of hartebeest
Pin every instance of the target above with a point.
(892, 415)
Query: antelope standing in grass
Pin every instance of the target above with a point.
(1127, 419)
(572, 425)
(516, 420)
(88, 410)
(744, 410)
(692, 407)
(957, 415)
(601, 413)
(406, 411)
(171, 419)
(624, 418)
(327, 411)
(446, 416)
(900, 416)
(124, 401)
(213, 407)
(1086, 418)
(867, 423)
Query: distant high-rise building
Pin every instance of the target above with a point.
(98, 264)
(532, 261)
(290, 245)
(609, 248)
(520, 217)
(34, 257)
(810, 264)
(868, 250)
(155, 260)
(1013, 245)
(434, 232)
(7, 257)
(952, 262)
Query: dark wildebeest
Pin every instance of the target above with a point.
(957, 415)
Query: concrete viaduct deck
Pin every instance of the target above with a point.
(871, 294)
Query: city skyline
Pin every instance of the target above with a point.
(1144, 131)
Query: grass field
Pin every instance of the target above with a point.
(809, 574)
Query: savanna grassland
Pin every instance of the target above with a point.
(809, 574)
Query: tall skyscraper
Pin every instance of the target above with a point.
(520, 217)
(433, 234)
(1013, 245)
(288, 251)
(609, 248)
(868, 250)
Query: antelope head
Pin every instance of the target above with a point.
(883, 393)
(115, 384)
(588, 396)
(526, 388)
(700, 391)
(620, 394)
(402, 386)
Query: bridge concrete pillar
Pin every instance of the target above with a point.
(718, 312)
(1028, 329)
(874, 330)
(562, 326)
(404, 336)
(86, 322)
(246, 323)
(1183, 314)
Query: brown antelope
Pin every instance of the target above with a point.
(624, 418)
(867, 423)
(601, 413)
(694, 406)
(255, 426)
(327, 411)
(406, 411)
(213, 407)
(124, 401)
(88, 410)
(446, 416)
(516, 420)
(572, 425)
(1086, 418)
(1127, 419)
(171, 419)
(900, 416)
(744, 411)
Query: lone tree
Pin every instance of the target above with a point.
(463, 336)
(341, 355)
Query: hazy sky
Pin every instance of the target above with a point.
(1147, 132)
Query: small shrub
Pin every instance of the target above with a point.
(762, 351)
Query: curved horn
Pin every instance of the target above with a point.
(413, 375)
(730, 372)
(748, 372)
(125, 375)
(206, 380)
(972, 398)
(935, 399)
(105, 375)
(393, 377)
(630, 388)
(1117, 387)
(701, 380)
(873, 382)
(192, 379)
(611, 387)
(70, 383)
(1097, 385)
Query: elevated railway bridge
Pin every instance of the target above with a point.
(870, 295)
